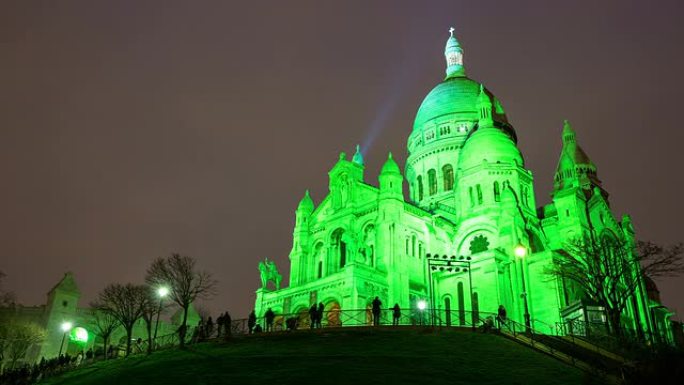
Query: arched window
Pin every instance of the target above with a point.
(448, 173)
(432, 181)
(479, 194)
(413, 246)
(420, 187)
(497, 192)
(320, 269)
(470, 195)
(407, 245)
(340, 247)
(523, 192)
(420, 249)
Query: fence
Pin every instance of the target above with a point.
(365, 317)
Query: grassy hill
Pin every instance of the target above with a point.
(342, 356)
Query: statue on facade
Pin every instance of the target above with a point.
(269, 272)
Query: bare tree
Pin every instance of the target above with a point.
(184, 282)
(609, 272)
(18, 338)
(149, 310)
(104, 324)
(124, 303)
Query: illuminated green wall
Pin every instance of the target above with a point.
(469, 195)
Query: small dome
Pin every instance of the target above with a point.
(390, 166)
(489, 144)
(306, 204)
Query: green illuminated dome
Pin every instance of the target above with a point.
(454, 98)
(488, 143)
(450, 110)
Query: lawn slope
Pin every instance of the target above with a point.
(343, 356)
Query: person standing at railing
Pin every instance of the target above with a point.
(396, 314)
(501, 316)
(313, 316)
(219, 325)
(319, 315)
(376, 311)
(270, 316)
(251, 322)
(227, 324)
(209, 328)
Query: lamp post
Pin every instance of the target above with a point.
(520, 252)
(66, 326)
(449, 264)
(161, 292)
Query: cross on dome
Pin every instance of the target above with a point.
(451, 31)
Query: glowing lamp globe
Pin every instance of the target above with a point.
(520, 251)
(162, 292)
(79, 334)
(422, 305)
(66, 326)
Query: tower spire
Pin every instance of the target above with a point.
(485, 106)
(453, 53)
(358, 157)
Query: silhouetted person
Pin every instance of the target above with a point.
(251, 321)
(209, 327)
(501, 316)
(319, 314)
(376, 311)
(257, 329)
(270, 316)
(396, 314)
(313, 315)
(219, 326)
(227, 324)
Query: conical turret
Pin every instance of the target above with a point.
(306, 205)
(575, 169)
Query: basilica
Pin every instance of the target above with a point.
(470, 200)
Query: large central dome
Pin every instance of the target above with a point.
(449, 112)
(455, 99)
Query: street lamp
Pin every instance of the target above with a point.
(520, 252)
(66, 326)
(161, 292)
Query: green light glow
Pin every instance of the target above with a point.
(470, 197)
(79, 334)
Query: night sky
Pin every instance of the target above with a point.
(133, 129)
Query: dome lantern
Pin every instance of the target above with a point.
(453, 53)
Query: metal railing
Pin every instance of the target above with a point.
(365, 317)
(589, 358)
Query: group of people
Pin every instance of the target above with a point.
(31, 374)
(209, 329)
